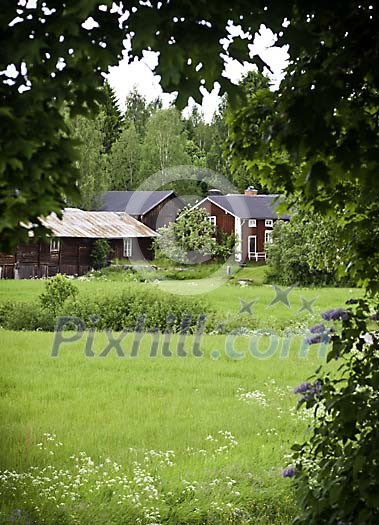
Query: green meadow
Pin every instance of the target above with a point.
(158, 437)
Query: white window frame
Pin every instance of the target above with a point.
(127, 250)
(249, 253)
(252, 223)
(55, 245)
(269, 223)
(213, 220)
(268, 237)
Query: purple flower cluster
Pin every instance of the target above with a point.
(375, 317)
(315, 339)
(309, 391)
(289, 472)
(320, 334)
(339, 314)
(301, 389)
(318, 329)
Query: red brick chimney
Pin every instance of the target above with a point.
(251, 191)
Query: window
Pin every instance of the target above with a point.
(54, 245)
(268, 237)
(269, 223)
(127, 247)
(212, 219)
(252, 245)
(252, 223)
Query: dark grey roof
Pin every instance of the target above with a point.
(133, 202)
(250, 206)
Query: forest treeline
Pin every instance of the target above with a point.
(119, 150)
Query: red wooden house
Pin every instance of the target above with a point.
(73, 237)
(250, 217)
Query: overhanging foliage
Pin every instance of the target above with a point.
(57, 66)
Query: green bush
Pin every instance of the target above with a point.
(100, 253)
(125, 310)
(305, 251)
(26, 316)
(192, 238)
(57, 290)
(128, 310)
(4, 307)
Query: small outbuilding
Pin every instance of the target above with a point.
(72, 241)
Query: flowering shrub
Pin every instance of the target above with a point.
(309, 391)
(336, 471)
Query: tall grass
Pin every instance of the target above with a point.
(229, 424)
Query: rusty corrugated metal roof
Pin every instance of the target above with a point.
(96, 225)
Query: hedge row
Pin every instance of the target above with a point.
(130, 309)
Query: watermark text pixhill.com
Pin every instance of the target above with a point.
(183, 342)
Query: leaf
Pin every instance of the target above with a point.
(7, 112)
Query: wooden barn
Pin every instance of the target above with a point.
(73, 237)
(153, 208)
(251, 217)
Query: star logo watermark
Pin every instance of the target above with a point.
(246, 306)
(281, 295)
(307, 305)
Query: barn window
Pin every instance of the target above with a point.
(268, 237)
(252, 223)
(54, 245)
(269, 223)
(127, 247)
(212, 219)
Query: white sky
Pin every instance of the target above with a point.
(140, 73)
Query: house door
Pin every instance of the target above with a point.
(252, 246)
(83, 259)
